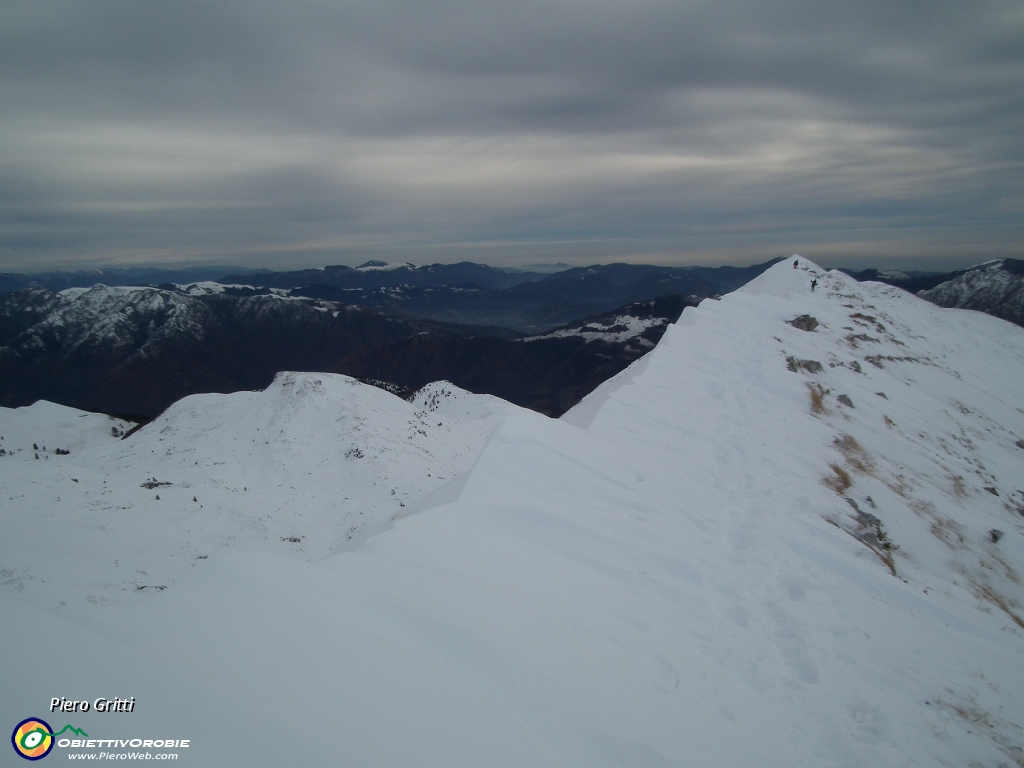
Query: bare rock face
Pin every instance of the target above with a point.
(804, 323)
(811, 366)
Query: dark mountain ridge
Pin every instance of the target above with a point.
(618, 283)
(378, 275)
(62, 280)
(533, 306)
(548, 373)
(463, 293)
(134, 351)
(731, 278)
(468, 304)
(137, 350)
(995, 287)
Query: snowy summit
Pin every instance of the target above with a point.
(375, 265)
(791, 535)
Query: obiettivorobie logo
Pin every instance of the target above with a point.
(34, 738)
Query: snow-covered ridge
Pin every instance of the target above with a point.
(107, 316)
(302, 468)
(383, 266)
(113, 316)
(209, 288)
(788, 536)
(126, 290)
(204, 288)
(996, 287)
(923, 427)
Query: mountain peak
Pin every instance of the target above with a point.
(790, 535)
(375, 265)
(995, 287)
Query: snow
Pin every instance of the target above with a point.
(139, 319)
(302, 468)
(619, 329)
(100, 317)
(992, 287)
(209, 288)
(673, 574)
(99, 289)
(53, 426)
(377, 266)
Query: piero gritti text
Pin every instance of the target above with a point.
(99, 705)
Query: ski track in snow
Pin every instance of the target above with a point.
(765, 543)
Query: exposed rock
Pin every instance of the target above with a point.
(811, 366)
(804, 323)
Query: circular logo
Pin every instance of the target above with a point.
(33, 738)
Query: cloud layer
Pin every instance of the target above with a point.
(315, 132)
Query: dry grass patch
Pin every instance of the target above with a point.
(817, 394)
(985, 592)
(959, 487)
(996, 728)
(899, 485)
(994, 561)
(854, 454)
(948, 531)
(840, 481)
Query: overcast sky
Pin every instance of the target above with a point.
(318, 132)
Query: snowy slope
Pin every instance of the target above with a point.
(765, 544)
(303, 469)
(105, 316)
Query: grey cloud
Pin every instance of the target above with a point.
(330, 130)
(499, 64)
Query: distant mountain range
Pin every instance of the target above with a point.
(475, 294)
(135, 350)
(539, 298)
(995, 287)
(59, 281)
(464, 293)
(548, 373)
(380, 274)
(538, 340)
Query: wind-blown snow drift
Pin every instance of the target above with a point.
(763, 544)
